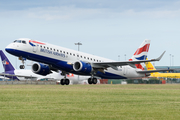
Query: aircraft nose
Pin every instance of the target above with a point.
(9, 48)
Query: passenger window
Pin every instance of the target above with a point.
(67, 52)
(70, 54)
(50, 48)
(64, 51)
(77, 55)
(47, 47)
(44, 47)
(74, 54)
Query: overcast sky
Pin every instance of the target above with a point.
(105, 28)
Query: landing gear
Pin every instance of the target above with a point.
(23, 60)
(21, 66)
(92, 80)
(65, 81)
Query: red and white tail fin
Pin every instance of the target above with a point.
(141, 53)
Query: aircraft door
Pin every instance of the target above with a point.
(35, 47)
(124, 70)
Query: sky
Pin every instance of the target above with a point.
(105, 28)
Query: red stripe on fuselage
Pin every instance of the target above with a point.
(36, 42)
(145, 48)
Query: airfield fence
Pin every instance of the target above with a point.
(28, 82)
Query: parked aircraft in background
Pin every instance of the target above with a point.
(70, 61)
(12, 73)
(149, 66)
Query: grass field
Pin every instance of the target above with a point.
(54, 102)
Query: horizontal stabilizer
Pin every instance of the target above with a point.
(152, 71)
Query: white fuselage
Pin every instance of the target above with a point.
(63, 58)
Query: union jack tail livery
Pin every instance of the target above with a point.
(141, 53)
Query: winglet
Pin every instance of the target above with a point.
(157, 59)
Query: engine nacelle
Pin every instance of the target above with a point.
(82, 67)
(40, 69)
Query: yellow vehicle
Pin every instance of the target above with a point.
(149, 66)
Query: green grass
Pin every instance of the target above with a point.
(128, 102)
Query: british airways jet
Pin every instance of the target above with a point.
(12, 73)
(53, 58)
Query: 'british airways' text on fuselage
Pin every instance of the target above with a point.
(50, 52)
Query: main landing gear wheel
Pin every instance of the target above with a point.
(21, 66)
(65, 81)
(92, 80)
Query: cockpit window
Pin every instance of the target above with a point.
(17, 41)
(24, 42)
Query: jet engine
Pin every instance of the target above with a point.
(41, 69)
(82, 67)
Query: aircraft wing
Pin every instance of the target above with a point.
(114, 65)
(10, 75)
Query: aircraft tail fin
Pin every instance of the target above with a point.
(6, 63)
(150, 66)
(141, 53)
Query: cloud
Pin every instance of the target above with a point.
(97, 10)
(65, 13)
(152, 14)
(73, 13)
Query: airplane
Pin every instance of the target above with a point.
(12, 73)
(53, 57)
(149, 66)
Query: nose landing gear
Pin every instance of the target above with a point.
(23, 61)
(21, 66)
